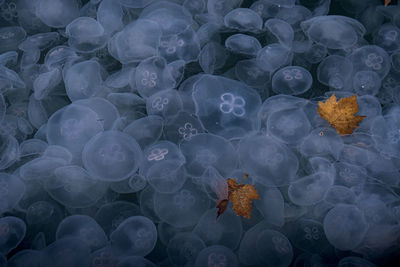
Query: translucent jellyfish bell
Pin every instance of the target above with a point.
(243, 19)
(243, 44)
(153, 75)
(73, 187)
(279, 103)
(269, 161)
(284, 3)
(271, 205)
(109, 15)
(372, 58)
(395, 57)
(221, 7)
(308, 235)
(207, 150)
(195, 7)
(251, 74)
(133, 261)
(385, 132)
(348, 232)
(388, 37)
(11, 192)
(83, 227)
(182, 208)
(136, 3)
(72, 127)
(86, 35)
(10, 57)
(165, 103)
(72, 250)
(352, 260)
(291, 80)
(248, 252)
(274, 249)
(217, 256)
(59, 55)
(335, 71)
(26, 257)
(146, 200)
(110, 215)
(280, 30)
(316, 53)
(11, 37)
(163, 167)
(183, 248)
(57, 13)
(226, 107)
(171, 17)
(309, 190)
(321, 142)
(340, 194)
(182, 127)
(274, 56)
(9, 151)
(212, 57)
(225, 231)
(10, 79)
(349, 175)
(335, 32)
(12, 232)
(46, 82)
(184, 45)
(106, 111)
(159, 152)
(135, 236)
(111, 156)
(366, 82)
(83, 80)
(289, 126)
(127, 47)
(146, 130)
(294, 15)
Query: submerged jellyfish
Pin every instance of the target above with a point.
(372, 58)
(271, 162)
(226, 107)
(182, 208)
(111, 156)
(135, 236)
(335, 32)
(292, 80)
(72, 127)
(348, 232)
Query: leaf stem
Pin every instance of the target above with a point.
(245, 176)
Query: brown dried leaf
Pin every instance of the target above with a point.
(341, 114)
(387, 2)
(241, 196)
(222, 206)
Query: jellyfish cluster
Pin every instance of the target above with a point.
(121, 121)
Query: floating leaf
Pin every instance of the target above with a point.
(241, 196)
(341, 114)
(222, 205)
(387, 2)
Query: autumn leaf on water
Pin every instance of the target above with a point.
(387, 2)
(241, 196)
(341, 115)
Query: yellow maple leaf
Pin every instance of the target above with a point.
(341, 115)
(387, 2)
(241, 196)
